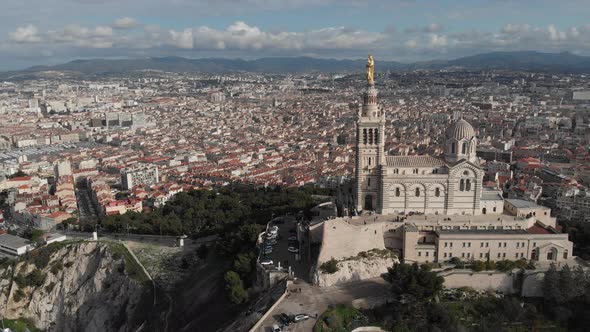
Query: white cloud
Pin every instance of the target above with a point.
(411, 44)
(431, 28)
(555, 34)
(516, 28)
(125, 23)
(241, 36)
(183, 39)
(26, 34)
(438, 40)
(76, 35)
(243, 39)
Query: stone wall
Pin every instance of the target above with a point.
(529, 285)
(485, 280)
(342, 240)
(354, 270)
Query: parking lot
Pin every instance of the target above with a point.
(313, 300)
(299, 263)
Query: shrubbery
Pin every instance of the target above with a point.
(35, 278)
(18, 295)
(503, 265)
(330, 266)
(235, 288)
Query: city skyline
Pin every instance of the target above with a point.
(404, 31)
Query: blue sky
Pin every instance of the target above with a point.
(53, 31)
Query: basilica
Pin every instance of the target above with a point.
(420, 184)
(433, 208)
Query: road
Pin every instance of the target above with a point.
(306, 298)
(88, 211)
(300, 268)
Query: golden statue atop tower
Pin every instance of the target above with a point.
(370, 70)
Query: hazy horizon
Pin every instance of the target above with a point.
(399, 30)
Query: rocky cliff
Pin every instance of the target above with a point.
(366, 265)
(84, 286)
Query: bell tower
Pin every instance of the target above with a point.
(370, 143)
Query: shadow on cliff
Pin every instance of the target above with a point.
(199, 301)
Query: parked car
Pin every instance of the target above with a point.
(266, 262)
(276, 328)
(300, 317)
(293, 250)
(285, 319)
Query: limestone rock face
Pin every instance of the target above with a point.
(83, 287)
(354, 270)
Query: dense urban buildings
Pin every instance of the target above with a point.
(202, 130)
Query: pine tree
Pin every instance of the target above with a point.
(551, 292)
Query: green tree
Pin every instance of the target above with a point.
(413, 280)
(478, 266)
(551, 289)
(235, 288)
(243, 264)
(566, 285)
(330, 266)
(490, 265)
(35, 278)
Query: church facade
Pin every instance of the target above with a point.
(434, 208)
(419, 184)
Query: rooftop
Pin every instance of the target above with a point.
(491, 196)
(522, 204)
(414, 161)
(481, 231)
(12, 241)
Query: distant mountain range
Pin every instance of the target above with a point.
(523, 60)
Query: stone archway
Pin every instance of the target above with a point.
(552, 254)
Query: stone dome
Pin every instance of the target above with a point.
(461, 130)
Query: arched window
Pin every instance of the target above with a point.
(376, 136)
(397, 192)
(364, 136)
(417, 192)
(462, 185)
(415, 171)
(396, 171)
(370, 136)
(453, 148)
(437, 192)
(467, 185)
(369, 161)
(464, 148)
(369, 182)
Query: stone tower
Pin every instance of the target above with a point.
(370, 143)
